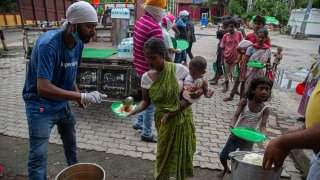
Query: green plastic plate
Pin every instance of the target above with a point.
(248, 134)
(256, 64)
(174, 43)
(214, 67)
(182, 44)
(115, 106)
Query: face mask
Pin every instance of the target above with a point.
(75, 36)
(159, 16)
(156, 12)
(185, 19)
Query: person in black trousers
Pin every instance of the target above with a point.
(190, 37)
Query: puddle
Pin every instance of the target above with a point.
(285, 82)
(302, 72)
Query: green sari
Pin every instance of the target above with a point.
(176, 139)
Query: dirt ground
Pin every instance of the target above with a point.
(14, 156)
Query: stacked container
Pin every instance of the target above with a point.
(120, 24)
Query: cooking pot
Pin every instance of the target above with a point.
(244, 171)
(82, 171)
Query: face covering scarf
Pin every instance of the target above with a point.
(157, 12)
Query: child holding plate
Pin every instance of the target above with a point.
(251, 113)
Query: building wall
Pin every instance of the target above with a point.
(195, 13)
(313, 23)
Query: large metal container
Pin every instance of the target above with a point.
(82, 171)
(120, 29)
(244, 171)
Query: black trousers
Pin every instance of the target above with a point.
(188, 51)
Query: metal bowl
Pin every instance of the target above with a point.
(82, 171)
(244, 171)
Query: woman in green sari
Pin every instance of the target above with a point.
(176, 139)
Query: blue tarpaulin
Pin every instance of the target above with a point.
(198, 1)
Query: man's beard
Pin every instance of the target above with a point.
(84, 39)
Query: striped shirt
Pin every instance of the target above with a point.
(145, 28)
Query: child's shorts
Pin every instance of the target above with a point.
(233, 144)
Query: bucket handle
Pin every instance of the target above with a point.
(236, 165)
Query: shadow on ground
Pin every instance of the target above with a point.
(14, 154)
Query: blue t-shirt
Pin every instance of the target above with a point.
(181, 26)
(51, 59)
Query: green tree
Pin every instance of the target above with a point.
(237, 7)
(274, 8)
(9, 6)
(210, 4)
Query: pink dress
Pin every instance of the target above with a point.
(230, 44)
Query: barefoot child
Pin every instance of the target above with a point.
(251, 113)
(277, 59)
(219, 61)
(194, 80)
(229, 45)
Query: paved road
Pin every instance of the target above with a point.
(12, 36)
(98, 129)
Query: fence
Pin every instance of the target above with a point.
(12, 20)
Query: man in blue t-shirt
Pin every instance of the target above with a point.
(180, 24)
(50, 84)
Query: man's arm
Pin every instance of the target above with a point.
(175, 29)
(83, 105)
(46, 89)
(188, 28)
(279, 148)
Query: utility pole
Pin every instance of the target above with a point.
(306, 17)
(249, 5)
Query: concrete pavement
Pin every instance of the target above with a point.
(98, 129)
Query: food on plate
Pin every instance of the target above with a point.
(253, 158)
(125, 110)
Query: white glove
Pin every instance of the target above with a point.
(92, 97)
